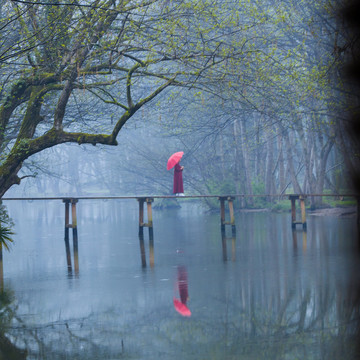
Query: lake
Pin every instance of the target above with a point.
(267, 293)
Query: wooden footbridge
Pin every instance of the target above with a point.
(225, 219)
(222, 201)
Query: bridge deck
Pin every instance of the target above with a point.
(122, 197)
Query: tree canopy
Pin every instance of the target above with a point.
(262, 73)
(54, 57)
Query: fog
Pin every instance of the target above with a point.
(223, 154)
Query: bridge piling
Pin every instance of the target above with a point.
(73, 225)
(67, 245)
(149, 225)
(230, 200)
(293, 199)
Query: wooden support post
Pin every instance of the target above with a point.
(232, 216)
(67, 245)
(149, 224)
(222, 212)
(149, 212)
(148, 201)
(73, 213)
(293, 210)
(303, 213)
(73, 225)
(224, 239)
(231, 211)
(67, 202)
(229, 199)
(301, 198)
(141, 214)
(74, 220)
(151, 231)
(75, 235)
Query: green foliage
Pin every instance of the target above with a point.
(281, 206)
(258, 188)
(339, 202)
(4, 216)
(6, 225)
(5, 236)
(225, 187)
(340, 181)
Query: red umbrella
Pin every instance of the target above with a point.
(174, 159)
(181, 308)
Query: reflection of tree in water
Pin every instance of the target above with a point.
(284, 315)
(314, 323)
(20, 339)
(310, 326)
(68, 339)
(7, 311)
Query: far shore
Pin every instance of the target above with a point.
(328, 211)
(334, 211)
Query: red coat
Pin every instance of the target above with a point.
(178, 180)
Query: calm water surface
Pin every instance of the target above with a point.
(269, 293)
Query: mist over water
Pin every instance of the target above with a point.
(268, 293)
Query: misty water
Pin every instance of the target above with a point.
(268, 293)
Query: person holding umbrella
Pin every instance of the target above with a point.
(174, 161)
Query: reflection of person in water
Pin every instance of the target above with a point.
(182, 283)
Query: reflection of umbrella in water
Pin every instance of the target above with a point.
(182, 282)
(174, 159)
(181, 308)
